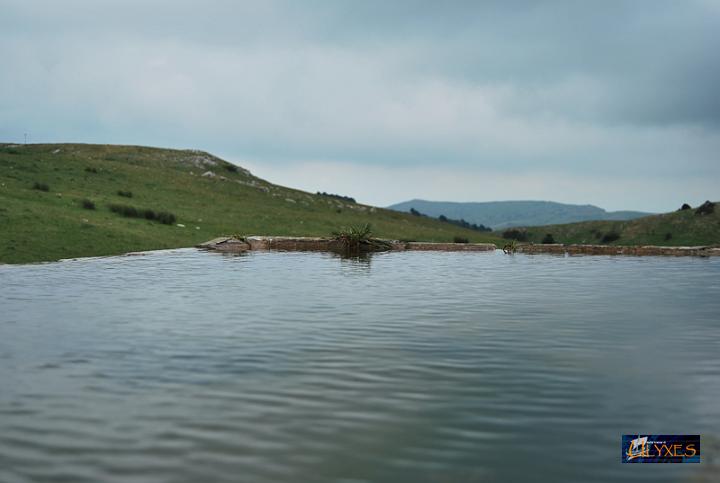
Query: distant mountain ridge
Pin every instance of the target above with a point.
(505, 214)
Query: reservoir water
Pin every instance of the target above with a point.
(187, 366)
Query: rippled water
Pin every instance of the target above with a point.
(192, 366)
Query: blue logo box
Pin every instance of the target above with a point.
(661, 448)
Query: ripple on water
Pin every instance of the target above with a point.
(191, 366)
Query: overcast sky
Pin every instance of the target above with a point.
(611, 103)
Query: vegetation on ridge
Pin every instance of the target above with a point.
(461, 222)
(684, 227)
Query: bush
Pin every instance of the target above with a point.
(668, 236)
(510, 247)
(125, 210)
(460, 239)
(91, 170)
(88, 204)
(232, 168)
(610, 237)
(166, 218)
(41, 186)
(357, 239)
(132, 212)
(684, 207)
(515, 234)
(125, 194)
(705, 209)
(548, 239)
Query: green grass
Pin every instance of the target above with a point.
(680, 228)
(36, 225)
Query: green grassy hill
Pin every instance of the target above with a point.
(679, 228)
(209, 196)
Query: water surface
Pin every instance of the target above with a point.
(183, 366)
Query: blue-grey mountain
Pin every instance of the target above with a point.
(504, 214)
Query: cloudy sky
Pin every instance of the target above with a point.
(611, 103)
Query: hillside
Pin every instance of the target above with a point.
(503, 214)
(43, 188)
(679, 228)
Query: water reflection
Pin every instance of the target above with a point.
(356, 261)
(358, 264)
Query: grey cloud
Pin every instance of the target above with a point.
(656, 60)
(582, 88)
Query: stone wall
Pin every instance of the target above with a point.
(445, 247)
(648, 250)
(312, 244)
(234, 245)
(225, 244)
(229, 244)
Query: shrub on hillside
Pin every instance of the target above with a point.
(125, 194)
(668, 236)
(685, 207)
(610, 237)
(166, 218)
(705, 209)
(91, 170)
(515, 234)
(40, 186)
(125, 210)
(460, 239)
(152, 215)
(232, 168)
(88, 204)
(548, 239)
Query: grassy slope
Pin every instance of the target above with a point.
(686, 228)
(37, 225)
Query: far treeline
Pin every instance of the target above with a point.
(462, 223)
